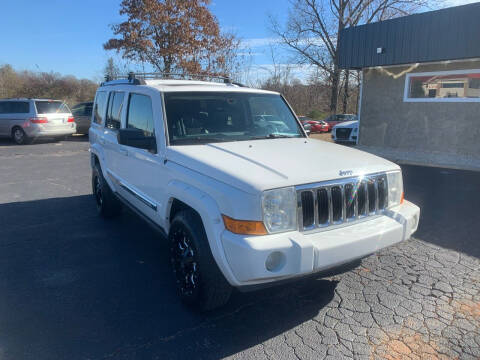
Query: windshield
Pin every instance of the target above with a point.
(51, 107)
(346, 117)
(203, 117)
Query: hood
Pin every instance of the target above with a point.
(258, 165)
(348, 124)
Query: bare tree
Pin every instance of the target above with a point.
(313, 27)
(111, 69)
(173, 36)
(45, 85)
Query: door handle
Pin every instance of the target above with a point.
(123, 151)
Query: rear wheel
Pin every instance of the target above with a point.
(199, 281)
(108, 205)
(19, 136)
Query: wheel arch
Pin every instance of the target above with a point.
(97, 158)
(183, 196)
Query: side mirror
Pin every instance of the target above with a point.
(137, 138)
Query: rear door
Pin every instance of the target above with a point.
(143, 171)
(13, 113)
(113, 121)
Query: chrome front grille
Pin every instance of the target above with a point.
(337, 202)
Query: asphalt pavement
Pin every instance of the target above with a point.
(74, 286)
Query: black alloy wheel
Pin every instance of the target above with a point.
(185, 264)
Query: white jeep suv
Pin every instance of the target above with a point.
(224, 171)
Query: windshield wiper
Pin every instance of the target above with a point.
(199, 140)
(274, 136)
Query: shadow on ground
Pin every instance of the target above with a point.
(76, 286)
(46, 140)
(449, 202)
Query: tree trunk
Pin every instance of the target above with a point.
(336, 69)
(334, 90)
(346, 91)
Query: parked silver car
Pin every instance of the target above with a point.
(27, 119)
(83, 116)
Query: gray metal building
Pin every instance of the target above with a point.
(420, 95)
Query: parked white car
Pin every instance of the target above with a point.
(345, 132)
(25, 120)
(237, 195)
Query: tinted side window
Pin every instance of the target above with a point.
(115, 104)
(14, 107)
(100, 104)
(5, 107)
(20, 107)
(88, 109)
(140, 113)
(78, 110)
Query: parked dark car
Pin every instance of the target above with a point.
(82, 113)
(333, 120)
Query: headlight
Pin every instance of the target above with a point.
(280, 210)
(395, 188)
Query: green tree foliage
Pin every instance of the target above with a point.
(317, 114)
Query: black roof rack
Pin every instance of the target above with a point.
(139, 78)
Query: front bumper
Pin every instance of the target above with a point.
(351, 139)
(300, 254)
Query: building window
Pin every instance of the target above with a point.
(443, 86)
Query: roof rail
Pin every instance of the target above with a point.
(139, 78)
(17, 98)
(122, 79)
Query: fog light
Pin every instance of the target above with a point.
(275, 261)
(414, 223)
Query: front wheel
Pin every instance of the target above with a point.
(199, 282)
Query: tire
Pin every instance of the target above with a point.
(108, 206)
(200, 283)
(19, 136)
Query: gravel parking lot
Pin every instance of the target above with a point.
(323, 136)
(73, 286)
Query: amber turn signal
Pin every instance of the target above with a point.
(402, 198)
(244, 227)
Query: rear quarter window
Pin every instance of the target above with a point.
(114, 113)
(99, 107)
